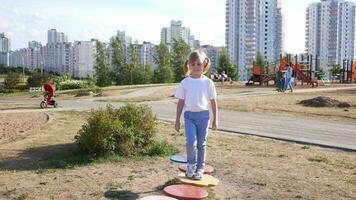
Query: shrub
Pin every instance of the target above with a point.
(126, 131)
(11, 80)
(72, 84)
(37, 79)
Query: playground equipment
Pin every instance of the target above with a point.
(48, 97)
(258, 75)
(348, 72)
(303, 69)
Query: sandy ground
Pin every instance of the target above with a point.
(247, 167)
(11, 125)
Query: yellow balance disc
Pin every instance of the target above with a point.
(207, 180)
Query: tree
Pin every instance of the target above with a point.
(103, 73)
(164, 72)
(120, 71)
(260, 61)
(335, 70)
(37, 79)
(180, 53)
(11, 80)
(134, 67)
(148, 74)
(225, 65)
(321, 74)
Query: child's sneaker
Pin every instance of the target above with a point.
(190, 171)
(198, 175)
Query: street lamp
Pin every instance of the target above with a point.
(23, 68)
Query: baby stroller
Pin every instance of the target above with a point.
(48, 96)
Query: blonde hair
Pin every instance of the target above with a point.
(194, 56)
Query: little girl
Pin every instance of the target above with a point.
(194, 94)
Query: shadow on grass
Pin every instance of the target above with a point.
(66, 156)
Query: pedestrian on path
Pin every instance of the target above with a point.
(194, 94)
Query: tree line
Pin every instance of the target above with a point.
(125, 71)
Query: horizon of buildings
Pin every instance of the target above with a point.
(78, 58)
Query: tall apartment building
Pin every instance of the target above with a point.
(30, 57)
(177, 31)
(253, 26)
(147, 51)
(83, 58)
(56, 53)
(54, 37)
(330, 28)
(213, 54)
(5, 47)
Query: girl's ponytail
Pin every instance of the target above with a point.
(207, 64)
(186, 68)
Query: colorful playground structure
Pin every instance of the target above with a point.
(348, 72)
(305, 68)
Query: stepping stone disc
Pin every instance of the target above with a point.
(207, 180)
(185, 192)
(157, 198)
(207, 169)
(179, 158)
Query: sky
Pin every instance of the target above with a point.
(24, 20)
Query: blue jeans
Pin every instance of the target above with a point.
(196, 132)
(289, 83)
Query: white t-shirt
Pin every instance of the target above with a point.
(196, 92)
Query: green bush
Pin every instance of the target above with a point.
(11, 80)
(72, 84)
(126, 131)
(37, 79)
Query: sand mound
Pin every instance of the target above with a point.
(324, 102)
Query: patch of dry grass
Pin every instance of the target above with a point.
(248, 167)
(287, 104)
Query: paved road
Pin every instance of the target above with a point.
(310, 131)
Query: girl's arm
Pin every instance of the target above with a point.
(214, 107)
(178, 113)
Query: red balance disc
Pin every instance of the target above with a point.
(186, 192)
(207, 169)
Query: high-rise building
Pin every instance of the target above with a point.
(330, 28)
(253, 26)
(53, 37)
(147, 51)
(30, 57)
(83, 58)
(213, 54)
(5, 47)
(57, 53)
(176, 31)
